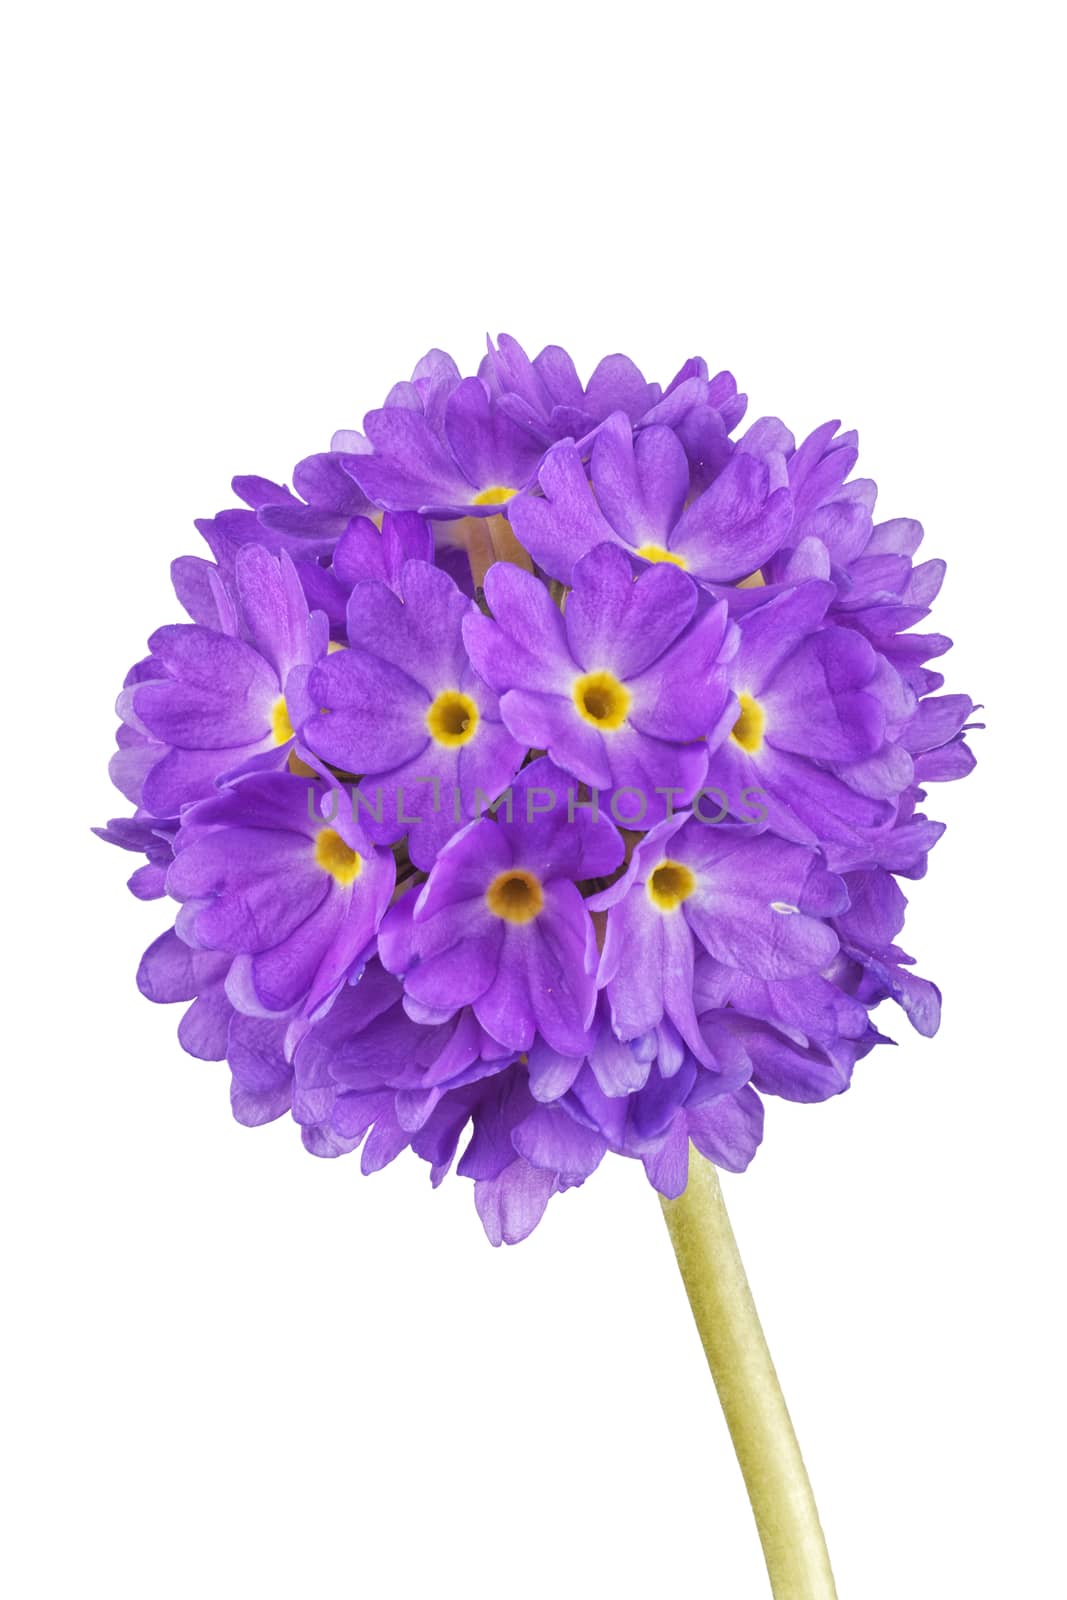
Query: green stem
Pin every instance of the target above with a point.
(756, 1415)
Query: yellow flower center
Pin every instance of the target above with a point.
(337, 858)
(495, 496)
(453, 718)
(747, 731)
(601, 699)
(670, 884)
(515, 895)
(280, 726)
(659, 552)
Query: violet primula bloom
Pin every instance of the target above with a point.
(623, 688)
(441, 445)
(817, 709)
(211, 701)
(637, 496)
(404, 707)
(534, 781)
(264, 877)
(757, 904)
(500, 924)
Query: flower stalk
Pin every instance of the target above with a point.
(767, 1450)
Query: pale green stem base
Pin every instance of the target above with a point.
(755, 1409)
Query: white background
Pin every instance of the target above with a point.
(235, 1371)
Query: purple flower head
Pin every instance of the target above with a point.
(404, 708)
(536, 779)
(622, 688)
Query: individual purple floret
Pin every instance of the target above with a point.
(212, 701)
(623, 689)
(500, 923)
(404, 707)
(279, 873)
(756, 904)
(637, 495)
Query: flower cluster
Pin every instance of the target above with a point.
(536, 776)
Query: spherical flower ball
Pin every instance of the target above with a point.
(533, 783)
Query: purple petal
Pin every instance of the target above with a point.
(728, 1131)
(512, 1204)
(551, 1139)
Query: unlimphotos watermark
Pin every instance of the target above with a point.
(629, 806)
